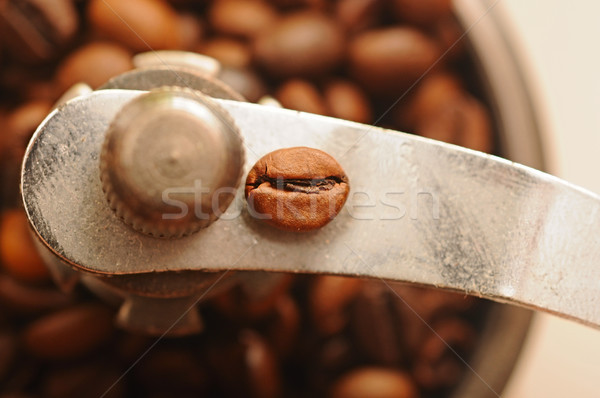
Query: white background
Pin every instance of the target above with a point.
(559, 43)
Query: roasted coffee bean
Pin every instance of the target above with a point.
(18, 254)
(244, 81)
(229, 52)
(300, 44)
(423, 12)
(375, 383)
(93, 64)
(389, 60)
(284, 325)
(261, 366)
(36, 30)
(329, 299)
(69, 333)
(301, 95)
(25, 299)
(450, 37)
(297, 189)
(128, 22)
(358, 15)
(243, 18)
(438, 362)
(464, 122)
(20, 125)
(377, 328)
(346, 100)
(191, 31)
(95, 379)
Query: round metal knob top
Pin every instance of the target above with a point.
(171, 162)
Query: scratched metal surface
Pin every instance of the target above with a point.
(419, 211)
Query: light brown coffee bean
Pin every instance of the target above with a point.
(244, 81)
(18, 255)
(434, 92)
(261, 366)
(422, 12)
(345, 100)
(301, 95)
(300, 44)
(37, 30)
(69, 333)
(243, 18)
(374, 383)
(191, 31)
(464, 122)
(389, 60)
(94, 64)
(141, 25)
(451, 38)
(329, 299)
(296, 189)
(229, 52)
(22, 122)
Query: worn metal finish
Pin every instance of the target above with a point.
(419, 211)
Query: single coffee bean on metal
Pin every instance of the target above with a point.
(296, 189)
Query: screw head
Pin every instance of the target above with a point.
(171, 162)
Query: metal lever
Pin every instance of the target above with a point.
(419, 211)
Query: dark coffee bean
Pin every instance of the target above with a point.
(464, 122)
(423, 12)
(376, 326)
(345, 100)
(94, 64)
(300, 44)
(389, 60)
(36, 30)
(229, 52)
(244, 81)
(358, 15)
(25, 299)
(284, 325)
(95, 379)
(243, 18)
(450, 37)
(301, 95)
(297, 189)
(437, 366)
(127, 22)
(69, 333)
(375, 383)
(329, 298)
(261, 366)
(18, 254)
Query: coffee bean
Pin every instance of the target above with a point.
(128, 22)
(191, 31)
(36, 30)
(438, 363)
(243, 18)
(8, 352)
(94, 64)
(96, 379)
(345, 100)
(423, 12)
(244, 81)
(261, 364)
(464, 122)
(297, 189)
(284, 325)
(451, 38)
(229, 52)
(376, 326)
(300, 44)
(25, 299)
(388, 61)
(18, 254)
(374, 383)
(69, 333)
(301, 95)
(329, 299)
(22, 123)
(358, 15)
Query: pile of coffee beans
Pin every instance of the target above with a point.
(395, 63)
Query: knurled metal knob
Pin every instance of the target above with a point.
(171, 162)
